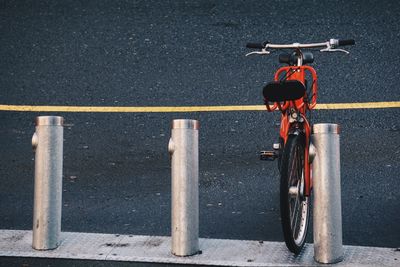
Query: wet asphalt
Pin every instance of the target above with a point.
(181, 53)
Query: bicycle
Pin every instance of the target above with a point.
(291, 95)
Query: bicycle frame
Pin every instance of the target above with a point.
(301, 105)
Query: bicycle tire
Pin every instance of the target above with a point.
(292, 181)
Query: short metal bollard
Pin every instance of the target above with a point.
(328, 247)
(47, 143)
(184, 149)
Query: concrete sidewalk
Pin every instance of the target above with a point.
(156, 249)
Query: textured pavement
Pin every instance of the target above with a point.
(167, 53)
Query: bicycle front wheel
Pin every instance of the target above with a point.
(294, 206)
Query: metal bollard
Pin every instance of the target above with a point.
(47, 143)
(184, 149)
(328, 247)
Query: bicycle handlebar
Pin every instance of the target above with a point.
(329, 46)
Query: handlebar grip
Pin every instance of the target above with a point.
(346, 42)
(255, 45)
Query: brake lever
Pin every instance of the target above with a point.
(262, 52)
(334, 50)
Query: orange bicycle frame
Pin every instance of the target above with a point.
(301, 105)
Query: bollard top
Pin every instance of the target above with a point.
(49, 121)
(326, 128)
(185, 124)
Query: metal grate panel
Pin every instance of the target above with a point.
(217, 252)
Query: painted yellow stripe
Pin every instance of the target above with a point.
(332, 106)
(365, 105)
(128, 109)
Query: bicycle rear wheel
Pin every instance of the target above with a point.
(294, 206)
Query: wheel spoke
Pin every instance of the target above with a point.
(300, 168)
(293, 171)
(294, 214)
(299, 212)
(296, 168)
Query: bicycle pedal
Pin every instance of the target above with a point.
(268, 155)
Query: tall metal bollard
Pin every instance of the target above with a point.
(47, 142)
(184, 149)
(328, 247)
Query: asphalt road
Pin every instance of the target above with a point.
(182, 53)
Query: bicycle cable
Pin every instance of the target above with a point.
(285, 77)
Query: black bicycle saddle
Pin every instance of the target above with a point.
(287, 90)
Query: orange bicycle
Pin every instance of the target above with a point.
(294, 93)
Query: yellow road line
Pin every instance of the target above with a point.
(365, 105)
(332, 106)
(127, 109)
